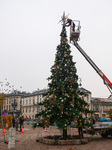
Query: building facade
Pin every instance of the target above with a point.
(27, 104)
(13, 103)
(30, 103)
(101, 106)
(88, 97)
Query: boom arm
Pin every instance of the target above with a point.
(101, 74)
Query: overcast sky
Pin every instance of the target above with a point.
(30, 33)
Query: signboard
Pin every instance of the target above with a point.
(5, 113)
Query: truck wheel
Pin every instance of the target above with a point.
(104, 135)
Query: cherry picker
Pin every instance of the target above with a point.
(74, 37)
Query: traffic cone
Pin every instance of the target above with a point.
(75, 130)
(3, 130)
(22, 130)
(45, 129)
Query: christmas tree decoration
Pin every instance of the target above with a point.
(73, 97)
(62, 88)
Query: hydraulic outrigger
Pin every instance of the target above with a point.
(74, 37)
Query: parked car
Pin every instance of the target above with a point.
(104, 119)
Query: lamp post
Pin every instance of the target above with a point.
(14, 104)
(21, 100)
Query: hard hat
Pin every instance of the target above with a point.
(68, 19)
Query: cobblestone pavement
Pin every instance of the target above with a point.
(27, 141)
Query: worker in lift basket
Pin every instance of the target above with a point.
(68, 23)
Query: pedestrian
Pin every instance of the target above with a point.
(23, 121)
(20, 122)
(93, 120)
(80, 125)
(17, 123)
(80, 131)
(13, 121)
(68, 23)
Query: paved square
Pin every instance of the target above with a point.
(27, 141)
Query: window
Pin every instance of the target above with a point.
(87, 99)
(104, 108)
(30, 109)
(26, 102)
(37, 109)
(94, 108)
(29, 101)
(97, 108)
(26, 110)
(33, 101)
(33, 109)
(37, 98)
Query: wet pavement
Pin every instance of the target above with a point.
(27, 141)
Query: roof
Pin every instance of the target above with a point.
(84, 90)
(39, 92)
(17, 93)
(105, 100)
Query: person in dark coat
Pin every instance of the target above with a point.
(68, 23)
(20, 122)
(13, 121)
(17, 123)
(93, 120)
(80, 125)
(23, 121)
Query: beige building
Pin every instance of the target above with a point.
(13, 103)
(27, 103)
(23, 103)
(101, 106)
(30, 103)
(88, 97)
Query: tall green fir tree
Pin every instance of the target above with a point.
(64, 102)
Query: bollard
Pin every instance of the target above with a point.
(12, 134)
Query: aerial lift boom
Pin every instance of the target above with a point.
(74, 37)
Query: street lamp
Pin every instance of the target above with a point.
(14, 104)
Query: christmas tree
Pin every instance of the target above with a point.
(64, 102)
